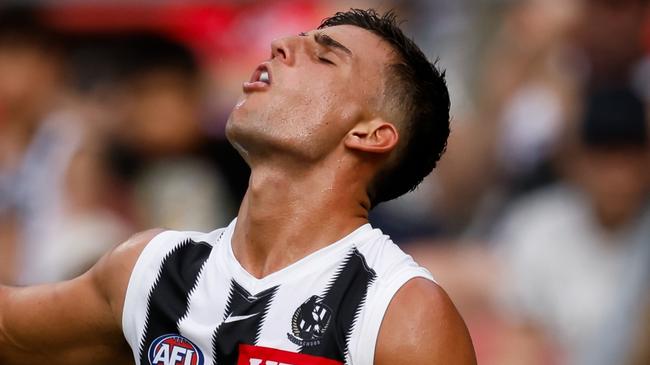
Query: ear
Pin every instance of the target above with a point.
(373, 136)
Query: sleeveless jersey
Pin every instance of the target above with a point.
(189, 302)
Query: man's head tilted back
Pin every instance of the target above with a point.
(355, 89)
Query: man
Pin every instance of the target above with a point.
(575, 254)
(338, 120)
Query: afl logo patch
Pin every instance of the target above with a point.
(174, 349)
(309, 322)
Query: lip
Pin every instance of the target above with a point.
(254, 84)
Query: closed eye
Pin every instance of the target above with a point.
(325, 60)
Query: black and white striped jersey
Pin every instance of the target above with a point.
(189, 302)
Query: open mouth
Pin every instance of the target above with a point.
(260, 79)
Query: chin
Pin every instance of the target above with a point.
(235, 132)
(233, 138)
(238, 125)
(244, 137)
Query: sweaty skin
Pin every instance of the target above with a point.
(314, 139)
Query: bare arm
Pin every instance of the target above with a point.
(422, 326)
(72, 322)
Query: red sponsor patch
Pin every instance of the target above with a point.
(257, 355)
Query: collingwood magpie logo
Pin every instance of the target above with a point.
(309, 322)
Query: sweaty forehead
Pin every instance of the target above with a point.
(371, 56)
(368, 49)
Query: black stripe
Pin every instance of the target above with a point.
(168, 299)
(228, 336)
(345, 297)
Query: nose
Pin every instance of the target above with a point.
(284, 49)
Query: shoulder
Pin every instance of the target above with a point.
(143, 251)
(112, 273)
(124, 255)
(422, 326)
(150, 245)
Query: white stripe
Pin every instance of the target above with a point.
(393, 268)
(143, 277)
(207, 305)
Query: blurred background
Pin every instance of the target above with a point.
(537, 221)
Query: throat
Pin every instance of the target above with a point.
(281, 222)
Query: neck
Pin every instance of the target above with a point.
(285, 217)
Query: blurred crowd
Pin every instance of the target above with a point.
(537, 221)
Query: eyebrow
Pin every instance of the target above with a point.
(329, 42)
